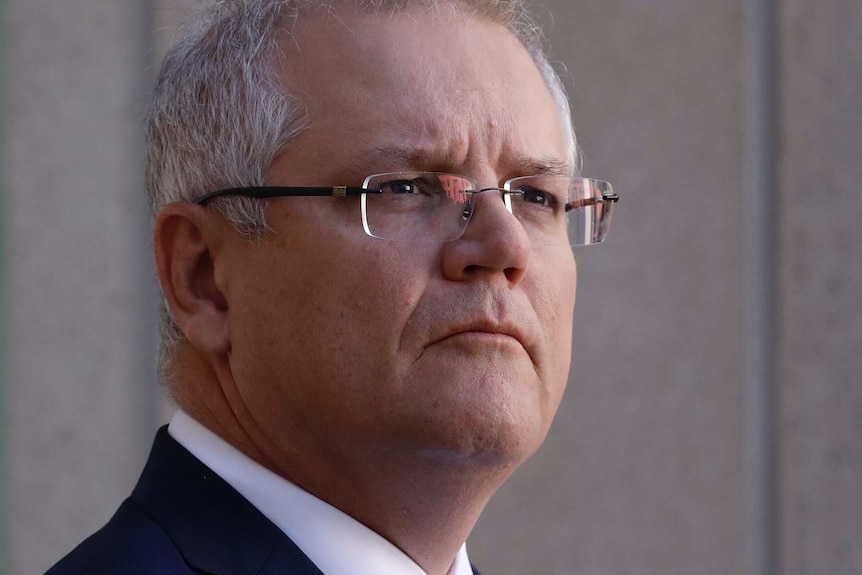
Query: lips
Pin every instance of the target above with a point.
(478, 314)
(492, 329)
(487, 328)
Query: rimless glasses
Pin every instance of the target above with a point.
(437, 207)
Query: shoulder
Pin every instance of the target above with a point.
(130, 543)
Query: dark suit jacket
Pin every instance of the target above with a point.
(183, 519)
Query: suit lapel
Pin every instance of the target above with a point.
(216, 529)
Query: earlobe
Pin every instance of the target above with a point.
(186, 241)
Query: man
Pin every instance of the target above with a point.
(364, 219)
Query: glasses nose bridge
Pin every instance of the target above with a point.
(470, 208)
(505, 195)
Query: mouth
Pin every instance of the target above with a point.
(482, 324)
(485, 334)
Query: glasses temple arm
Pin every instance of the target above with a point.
(592, 202)
(263, 192)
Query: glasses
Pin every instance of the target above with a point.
(437, 207)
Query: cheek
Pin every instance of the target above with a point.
(552, 282)
(318, 334)
(379, 288)
(554, 287)
(568, 289)
(355, 304)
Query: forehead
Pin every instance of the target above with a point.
(442, 88)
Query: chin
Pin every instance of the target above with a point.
(500, 449)
(486, 433)
(489, 410)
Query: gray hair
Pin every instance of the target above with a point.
(219, 115)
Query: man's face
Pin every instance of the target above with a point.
(347, 345)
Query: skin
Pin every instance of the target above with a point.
(401, 382)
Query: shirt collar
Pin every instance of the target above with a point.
(334, 541)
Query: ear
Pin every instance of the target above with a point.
(186, 239)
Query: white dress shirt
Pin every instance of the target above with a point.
(335, 542)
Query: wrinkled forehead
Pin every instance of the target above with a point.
(423, 76)
(513, 15)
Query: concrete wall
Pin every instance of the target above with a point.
(645, 471)
(80, 394)
(821, 282)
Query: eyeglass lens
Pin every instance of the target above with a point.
(426, 206)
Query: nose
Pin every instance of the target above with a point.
(493, 244)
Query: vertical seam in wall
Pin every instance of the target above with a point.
(760, 260)
(3, 212)
(148, 389)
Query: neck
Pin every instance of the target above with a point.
(426, 502)
(427, 507)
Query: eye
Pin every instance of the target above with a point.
(401, 187)
(540, 197)
(414, 186)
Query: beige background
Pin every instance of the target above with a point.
(652, 466)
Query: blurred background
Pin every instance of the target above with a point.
(713, 421)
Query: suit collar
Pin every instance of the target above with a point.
(215, 529)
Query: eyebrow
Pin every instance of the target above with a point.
(535, 166)
(384, 158)
(397, 158)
